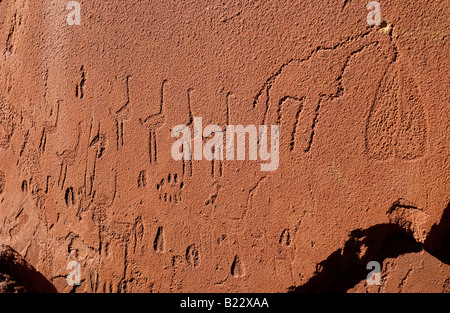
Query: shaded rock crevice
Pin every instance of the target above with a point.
(17, 276)
(346, 267)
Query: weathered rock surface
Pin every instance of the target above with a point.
(86, 172)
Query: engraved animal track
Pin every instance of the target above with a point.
(169, 188)
(212, 197)
(69, 197)
(237, 268)
(193, 256)
(158, 244)
(138, 231)
(285, 238)
(396, 126)
(24, 186)
(142, 179)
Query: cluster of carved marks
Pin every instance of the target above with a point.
(396, 126)
(169, 188)
(288, 98)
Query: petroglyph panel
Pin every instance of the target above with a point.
(86, 166)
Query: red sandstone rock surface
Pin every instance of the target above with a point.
(86, 172)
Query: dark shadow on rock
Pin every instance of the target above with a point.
(346, 267)
(16, 275)
(438, 240)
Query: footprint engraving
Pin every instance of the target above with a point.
(69, 197)
(169, 188)
(193, 256)
(142, 179)
(138, 231)
(237, 268)
(158, 244)
(285, 238)
(24, 186)
(139, 228)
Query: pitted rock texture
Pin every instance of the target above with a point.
(86, 172)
